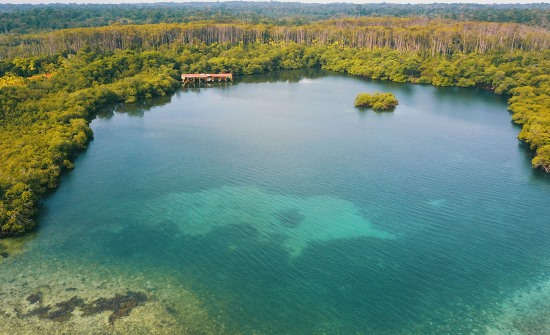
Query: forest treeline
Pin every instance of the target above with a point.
(36, 18)
(48, 100)
(434, 37)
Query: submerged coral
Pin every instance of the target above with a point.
(120, 305)
(64, 309)
(34, 298)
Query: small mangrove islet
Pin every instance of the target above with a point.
(376, 101)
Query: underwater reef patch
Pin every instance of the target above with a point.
(64, 310)
(120, 305)
(34, 298)
(61, 311)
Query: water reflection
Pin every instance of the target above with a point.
(293, 76)
(134, 109)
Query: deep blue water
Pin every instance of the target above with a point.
(289, 211)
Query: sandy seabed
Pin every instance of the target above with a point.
(64, 297)
(45, 295)
(527, 312)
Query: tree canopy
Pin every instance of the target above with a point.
(377, 101)
(433, 37)
(36, 18)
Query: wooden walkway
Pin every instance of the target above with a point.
(206, 77)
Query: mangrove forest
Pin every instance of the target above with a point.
(376, 101)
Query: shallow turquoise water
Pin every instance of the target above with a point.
(288, 211)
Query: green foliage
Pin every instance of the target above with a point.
(542, 159)
(376, 101)
(34, 18)
(433, 37)
(47, 101)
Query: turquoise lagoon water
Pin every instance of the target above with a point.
(285, 210)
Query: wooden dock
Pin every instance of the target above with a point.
(189, 78)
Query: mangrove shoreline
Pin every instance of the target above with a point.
(49, 99)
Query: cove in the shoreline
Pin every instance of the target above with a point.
(270, 206)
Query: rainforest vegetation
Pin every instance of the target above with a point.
(376, 101)
(36, 18)
(432, 37)
(52, 84)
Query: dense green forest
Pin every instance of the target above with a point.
(434, 37)
(35, 18)
(52, 84)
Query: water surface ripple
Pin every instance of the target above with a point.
(273, 206)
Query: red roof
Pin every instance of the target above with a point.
(206, 75)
